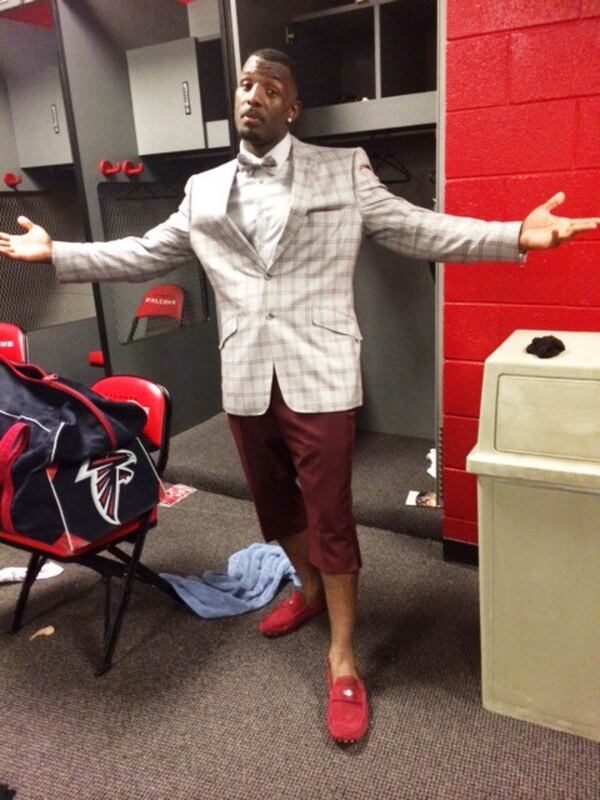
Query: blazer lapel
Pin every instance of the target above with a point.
(217, 199)
(301, 190)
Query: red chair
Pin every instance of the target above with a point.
(156, 402)
(13, 343)
(162, 307)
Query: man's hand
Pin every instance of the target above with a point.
(542, 229)
(35, 245)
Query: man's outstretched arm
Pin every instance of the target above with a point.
(33, 245)
(428, 235)
(134, 258)
(542, 229)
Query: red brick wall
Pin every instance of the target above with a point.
(522, 122)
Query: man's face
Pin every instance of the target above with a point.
(265, 104)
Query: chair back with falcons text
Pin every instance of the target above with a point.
(162, 307)
(13, 343)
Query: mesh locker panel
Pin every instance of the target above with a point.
(131, 210)
(30, 295)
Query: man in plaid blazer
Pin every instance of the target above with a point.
(278, 231)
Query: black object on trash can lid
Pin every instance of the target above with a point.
(545, 346)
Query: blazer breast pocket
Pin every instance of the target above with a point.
(323, 212)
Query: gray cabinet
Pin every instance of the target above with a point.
(33, 96)
(39, 121)
(178, 96)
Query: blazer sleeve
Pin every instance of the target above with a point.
(420, 233)
(132, 259)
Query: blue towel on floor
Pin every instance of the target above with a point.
(252, 579)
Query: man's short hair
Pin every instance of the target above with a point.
(279, 57)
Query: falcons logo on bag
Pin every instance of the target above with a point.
(107, 474)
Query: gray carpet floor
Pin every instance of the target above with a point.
(210, 710)
(386, 468)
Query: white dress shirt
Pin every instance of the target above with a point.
(260, 199)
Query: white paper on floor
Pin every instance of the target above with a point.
(17, 574)
(175, 493)
(427, 499)
(432, 469)
(47, 631)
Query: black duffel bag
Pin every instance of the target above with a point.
(71, 461)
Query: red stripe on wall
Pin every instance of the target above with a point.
(590, 8)
(558, 61)
(510, 197)
(460, 494)
(33, 14)
(460, 436)
(480, 71)
(587, 152)
(462, 388)
(510, 139)
(523, 91)
(466, 17)
(460, 530)
(568, 277)
(473, 331)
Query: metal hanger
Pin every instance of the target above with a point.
(390, 160)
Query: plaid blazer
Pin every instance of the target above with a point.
(297, 315)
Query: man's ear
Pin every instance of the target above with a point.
(294, 112)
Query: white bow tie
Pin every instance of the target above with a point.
(249, 163)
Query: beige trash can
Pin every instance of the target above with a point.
(537, 462)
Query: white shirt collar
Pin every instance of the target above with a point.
(280, 152)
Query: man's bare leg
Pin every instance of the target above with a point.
(296, 549)
(341, 593)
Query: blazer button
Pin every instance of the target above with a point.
(270, 316)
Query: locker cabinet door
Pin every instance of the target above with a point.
(165, 91)
(38, 113)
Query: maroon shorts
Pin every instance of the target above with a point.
(299, 471)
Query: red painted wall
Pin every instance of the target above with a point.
(35, 14)
(522, 122)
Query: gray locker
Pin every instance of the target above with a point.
(38, 113)
(166, 96)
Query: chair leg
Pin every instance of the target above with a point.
(115, 629)
(149, 576)
(143, 573)
(36, 562)
(107, 580)
(6, 793)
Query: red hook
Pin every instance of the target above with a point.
(12, 180)
(106, 167)
(130, 169)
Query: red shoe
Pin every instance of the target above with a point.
(289, 615)
(347, 708)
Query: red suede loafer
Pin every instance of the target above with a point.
(347, 708)
(289, 615)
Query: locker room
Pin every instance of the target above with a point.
(133, 665)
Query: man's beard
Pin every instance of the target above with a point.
(251, 136)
